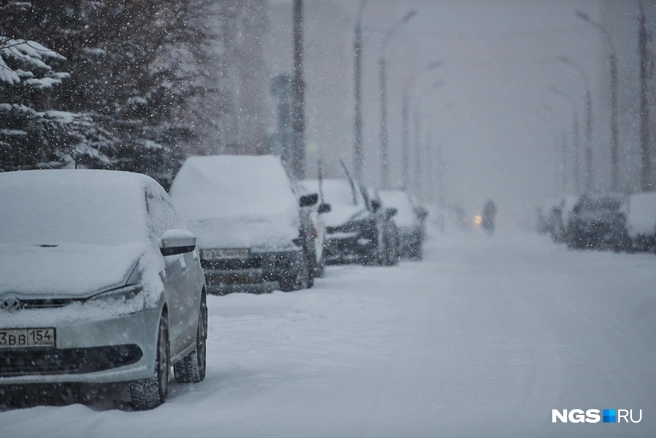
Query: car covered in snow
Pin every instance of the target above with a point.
(410, 221)
(249, 219)
(638, 222)
(593, 223)
(100, 282)
(358, 228)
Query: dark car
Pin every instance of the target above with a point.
(594, 222)
(410, 221)
(358, 229)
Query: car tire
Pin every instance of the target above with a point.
(192, 367)
(149, 393)
(301, 279)
(416, 251)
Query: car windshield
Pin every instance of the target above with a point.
(51, 208)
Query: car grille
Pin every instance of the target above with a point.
(45, 361)
(47, 304)
(232, 264)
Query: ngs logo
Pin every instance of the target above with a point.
(594, 416)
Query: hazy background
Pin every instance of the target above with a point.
(500, 57)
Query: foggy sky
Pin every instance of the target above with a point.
(500, 57)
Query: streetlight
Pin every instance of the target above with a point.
(613, 100)
(588, 120)
(358, 153)
(405, 123)
(563, 138)
(575, 134)
(383, 97)
(436, 85)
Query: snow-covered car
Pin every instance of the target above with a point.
(100, 282)
(560, 216)
(358, 229)
(249, 222)
(316, 213)
(593, 222)
(638, 222)
(410, 221)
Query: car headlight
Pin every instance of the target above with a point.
(121, 294)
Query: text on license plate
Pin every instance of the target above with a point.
(226, 253)
(31, 337)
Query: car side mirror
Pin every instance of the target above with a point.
(375, 204)
(176, 242)
(324, 208)
(308, 200)
(422, 213)
(390, 212)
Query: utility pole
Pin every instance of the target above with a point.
(358, 152)
(418, 169)
(645, 157)
(298, 98)
(588, 122)
(384, 148)
(614, 131)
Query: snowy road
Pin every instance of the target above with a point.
(483, 338)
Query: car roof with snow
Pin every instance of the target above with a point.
(82, 206)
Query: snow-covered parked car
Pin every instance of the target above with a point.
(638, 221)
(593, 222)
(249, 220)
(100, 282)
(410, 221)
(358, 229)
(316, 213)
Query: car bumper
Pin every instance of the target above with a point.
(348, 247)
(112, 350)
(258, 268)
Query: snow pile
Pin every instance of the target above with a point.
(237, 201)
(345, 204)
(641, 214)
(405, 215)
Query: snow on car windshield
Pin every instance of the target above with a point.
(46, 207)
(405, 216)
(233, 186)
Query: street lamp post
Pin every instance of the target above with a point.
(298, 97)
(588, 121)
(358, 152)
(575, 135)
(405, 123)
(384, 147)
(614, 132)
(563, 140)
(417, 118)
(645, 156)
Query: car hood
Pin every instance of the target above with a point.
(66, 270)
(255, 232)
(342, 215)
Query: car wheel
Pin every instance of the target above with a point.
(152, 392)
(191, 369)
(302, 279)
(416, 251)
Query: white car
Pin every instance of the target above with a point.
(100, 282)
(249, 220)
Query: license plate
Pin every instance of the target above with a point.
(226, 253)
(22, 338)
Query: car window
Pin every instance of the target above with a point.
(162, 215)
